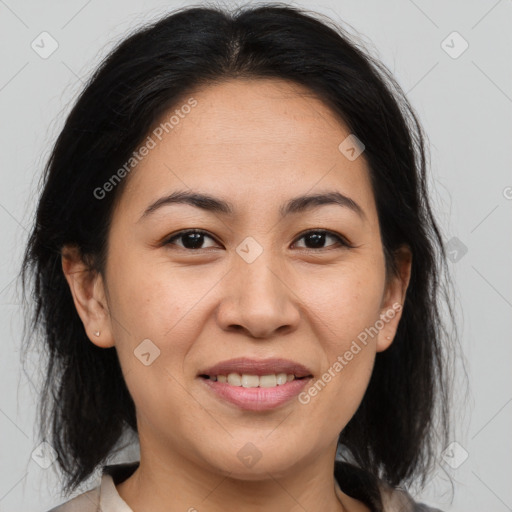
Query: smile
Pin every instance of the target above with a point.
(253, 392)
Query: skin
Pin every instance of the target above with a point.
(264, 142)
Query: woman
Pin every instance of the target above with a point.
(235, 258)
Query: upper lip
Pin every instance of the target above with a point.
(257, 367)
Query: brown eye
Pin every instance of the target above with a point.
(315, 239)
(194, 239)
(191, 239)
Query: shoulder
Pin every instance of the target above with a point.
(104, 497)
(375, 493)
(399, 500)
(86, 502)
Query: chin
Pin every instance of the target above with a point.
(251, 464)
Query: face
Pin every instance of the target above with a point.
(265, 276)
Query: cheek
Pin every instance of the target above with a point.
(154, 298)
(348, 358)
(155, 324)
(344, 311)
(343, 303)
(165, 409)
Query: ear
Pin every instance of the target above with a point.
(89, 296)
(394, 297)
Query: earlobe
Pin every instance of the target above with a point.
(396, 290)
(87, 289)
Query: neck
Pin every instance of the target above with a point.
(173, 484)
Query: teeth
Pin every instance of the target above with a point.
(253, 381)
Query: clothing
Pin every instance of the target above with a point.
(105, 495)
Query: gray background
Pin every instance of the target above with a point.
(465, 105)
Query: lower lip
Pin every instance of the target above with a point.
(257, 399)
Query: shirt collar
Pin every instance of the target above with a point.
(110, 500)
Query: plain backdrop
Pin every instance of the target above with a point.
(451, 58)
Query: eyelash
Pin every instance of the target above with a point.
(341, 240)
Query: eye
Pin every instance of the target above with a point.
(316, 238)
(192, 239)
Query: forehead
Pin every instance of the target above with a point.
(264, 140)
(248, 113)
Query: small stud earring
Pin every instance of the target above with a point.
(96, 333)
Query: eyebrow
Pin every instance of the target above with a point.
(216, 205)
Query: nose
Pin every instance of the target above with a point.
(258, 300)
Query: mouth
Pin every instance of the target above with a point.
(256, 385)
(256, 368)
(254, 381)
